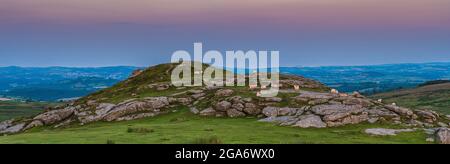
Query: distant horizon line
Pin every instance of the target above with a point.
(116, 66)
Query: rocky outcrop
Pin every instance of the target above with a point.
(91, 112)
(148, 105)
(55, 116)
(13, 129)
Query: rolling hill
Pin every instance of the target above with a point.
(429, 96)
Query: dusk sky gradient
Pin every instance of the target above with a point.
(147, 32)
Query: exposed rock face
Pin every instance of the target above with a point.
(400, 110)
(5, 124)
(443, 136)
(386, 132)
(324, 110)
(55, 116)
(427, 115)
(153, 104)
(310, 121)
(13, 129)
(283, 120)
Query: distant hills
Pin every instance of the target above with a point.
(376, 78)
(55, 83)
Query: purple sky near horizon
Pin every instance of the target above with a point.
(147, 32)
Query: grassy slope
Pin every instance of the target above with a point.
(184, 127)
(12, 109)
(435, 97)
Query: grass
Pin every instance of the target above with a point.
(12, 109)
(434, 97)
(186, 128)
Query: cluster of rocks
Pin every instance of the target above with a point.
(91, 112)
(234, 106)
(320, 110)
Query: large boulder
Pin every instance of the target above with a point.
(333, 109)
(238, 106)
(33, 124)
(233, 113)
(223, 106)
(310, 121)
(427, 115)
(208, 112)
(381, 112)
(252, 109)
(270, 111)
(443, 136)
(286, 111)
(352, 119)
(55, 116)
(152, 104)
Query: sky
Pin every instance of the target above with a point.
(146, 32)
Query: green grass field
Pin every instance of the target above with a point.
(13, 109)
(186, 128)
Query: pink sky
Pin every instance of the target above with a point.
(144, 32)
(321, 13)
